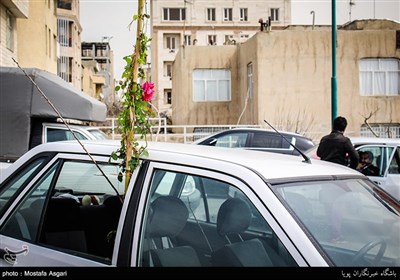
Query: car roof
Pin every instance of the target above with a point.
(78, 126)
(250, 129)
(269, 165)
(374, 140)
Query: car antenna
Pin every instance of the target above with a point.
(306, 158)
(66, 124)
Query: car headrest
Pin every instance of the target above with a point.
(234, 216)
(168, 217)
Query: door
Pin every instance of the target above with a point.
(386, 159)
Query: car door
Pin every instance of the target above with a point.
(175, 229)
(386, 158)
(44, 222)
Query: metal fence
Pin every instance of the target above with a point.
(161, 131)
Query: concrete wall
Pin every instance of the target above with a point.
(292, 72)
(186, 111)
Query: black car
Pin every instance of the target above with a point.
(258, 139)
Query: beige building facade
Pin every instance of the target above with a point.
(37, 36)
(10, 11)
(69, 37)
(178, 24)
(284, 77)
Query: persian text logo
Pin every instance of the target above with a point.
(11, 256)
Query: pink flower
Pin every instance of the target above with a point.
(148, 91)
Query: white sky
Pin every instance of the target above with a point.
(110, 18)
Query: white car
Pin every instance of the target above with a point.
(254, 209)
(385, 153)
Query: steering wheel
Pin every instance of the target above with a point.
(368, 247)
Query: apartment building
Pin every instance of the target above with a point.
(10, 11)
(69, 37)
(98, 63)
(180, 23)
(37, 37)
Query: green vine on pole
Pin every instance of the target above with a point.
(137, 93)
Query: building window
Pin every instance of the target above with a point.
(243, 14)
(244, 37)
(391, 130)
(10, 31)
(212, 40)
(167, 68)
(64, 68)
(211, 14)
(227, 14)
(211, 85)
(64, 4)
(188, 40)
(170, 42)
(65, 32)
(250, 80)
(274, 14)
(168, 96)
(174, 14)
(379, 76)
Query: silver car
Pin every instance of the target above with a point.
(254, 209)
(385, 155)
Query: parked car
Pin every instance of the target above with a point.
(59, 132)
(257, 139)
(51, 132)
(384, 154)
(256, 209)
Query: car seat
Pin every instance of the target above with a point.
(167, 219)
(234, 217)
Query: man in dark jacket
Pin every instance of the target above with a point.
(335, 147)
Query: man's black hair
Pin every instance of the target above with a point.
(340, 124)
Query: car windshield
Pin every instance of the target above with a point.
(98, 134)
(352, 220)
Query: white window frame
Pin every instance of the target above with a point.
(188, 40)
(211, 14)
(244, 14)
(212, 38)
(167, 68)
(170, 41)
(211, 85)
(10, 30)
(167, 14)
(379, 76)
(274, 14)
(228, 14)
(167, 92)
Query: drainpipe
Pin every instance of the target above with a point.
(313, 19)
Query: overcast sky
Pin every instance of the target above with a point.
(110, 18)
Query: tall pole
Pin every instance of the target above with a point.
(334, 99)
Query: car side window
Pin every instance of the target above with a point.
(233, 140)
(24, 221)
(9, 189)
(202, 221)
(73, 209)
(265, 140)
(394, 166)
(54, 134)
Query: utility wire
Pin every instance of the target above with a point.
(69, 128)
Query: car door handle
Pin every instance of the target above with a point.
(378, 183)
